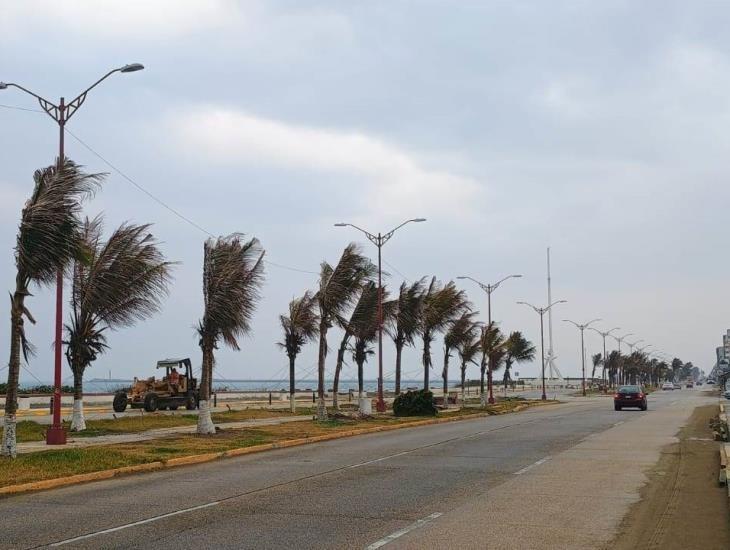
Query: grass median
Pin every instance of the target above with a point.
(44, 465)
(28, 430)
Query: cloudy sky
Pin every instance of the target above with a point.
(599, 129)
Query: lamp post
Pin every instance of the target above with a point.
(489, 288)
(61, 113)
(379, 240)
(620, 339)
(541, 311)
(603, 335)
(582, 328)
(631, 345)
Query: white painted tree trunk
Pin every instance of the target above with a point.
(78, 422)
(205, 422)
(321, 411)
(292, 403)
(483, 399)
(9, 444)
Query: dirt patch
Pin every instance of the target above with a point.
(682, 507)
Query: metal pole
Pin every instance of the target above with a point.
(604, 361)
(542, 352)
(583, 355)
(489, 358)
(380, 405)
(56, 435)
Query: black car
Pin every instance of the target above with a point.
(630, 396)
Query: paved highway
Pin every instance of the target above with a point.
(351, 493)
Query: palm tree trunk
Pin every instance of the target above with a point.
(489, 375)
(78, 422)
(445, 376)
(398, 353)
(426, 362)
(9, 447)
(482, 369)
(321, 406)
(338, 370)
(292, 384)
(360, 381)
(463, 383)
(205, 422)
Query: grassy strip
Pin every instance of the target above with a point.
(28, 430)
(45, 465)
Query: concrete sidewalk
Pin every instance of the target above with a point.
(573, 500)
(36, 446)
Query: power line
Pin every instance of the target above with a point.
(391, 266)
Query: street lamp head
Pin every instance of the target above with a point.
(417, 220)
(517, 276)
(340, 224)
(3, 86)
(131, 68)
(461, 277)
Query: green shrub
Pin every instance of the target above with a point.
(414, 403)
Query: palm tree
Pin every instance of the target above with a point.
(300, 327)
(363, 315)
(338, 287)
(468, 350)
(460, 331)
(117, 283)
(441, 306)
(402, 326)
(47, 241)
(518, 349)
(613, 364)
(597, 360)
(233, 272)
(493, 352)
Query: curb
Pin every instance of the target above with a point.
(240, 451)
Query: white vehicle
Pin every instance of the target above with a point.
(668, 386)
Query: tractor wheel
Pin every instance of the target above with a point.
(150, 402)
(191, 403)
(120, 402)
(173, 407)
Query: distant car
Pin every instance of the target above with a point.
(690, 384)
(630, 396)
(710, 382)
(698, 384)
(677, 386)
(667, 386)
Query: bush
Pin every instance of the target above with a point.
(414, 403)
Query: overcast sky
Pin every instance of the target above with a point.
(599, 129)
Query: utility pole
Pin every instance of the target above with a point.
(489, 288)
(61, 113)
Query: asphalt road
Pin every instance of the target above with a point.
(348, 493)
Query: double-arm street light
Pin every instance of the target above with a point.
(632, 344)
(61, 113)
(379, 240)
(620, 339)
(541, 312)
(582, 327)
(603, 335)
(489, 288)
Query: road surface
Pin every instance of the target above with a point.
(390, 489)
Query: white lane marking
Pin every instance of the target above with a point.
(531, 466)
(390, 538)
(134, 524)
(618, 423)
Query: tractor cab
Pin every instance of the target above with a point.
(178, 375)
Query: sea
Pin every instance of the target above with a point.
(104, 385)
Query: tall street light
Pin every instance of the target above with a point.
(379, 240)
(489, 288)
(632, 344)
(603, 335)
(582, 328)
(61, 113)
(541, 311)
(620, 339)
